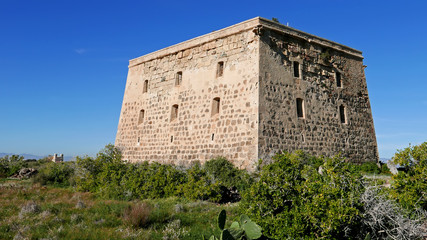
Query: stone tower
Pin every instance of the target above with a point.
(246, 92)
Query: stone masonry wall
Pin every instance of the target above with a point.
(320, 131)
(195, 135)
(257, 93)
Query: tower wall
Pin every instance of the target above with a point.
(323, 128)
(196, 134)
(264, 106)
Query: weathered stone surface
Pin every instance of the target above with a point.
(30, 207)
(25, 173)
(249, 68)
(80, 204)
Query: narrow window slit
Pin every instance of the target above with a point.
(342, 114)
(296, 69)
(215, 106)
(141, 116)
(338, 79)
(174, 112)
(145, 87)
(300, 108)
(220, 69)
(178, 78)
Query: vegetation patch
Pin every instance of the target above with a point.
(296, 196)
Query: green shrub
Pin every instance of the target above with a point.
(110, 177)
(409, 188)
(301, 196)
(371, 168)
(86, 174)
(199, 186)
(385, 169)
(220, 169)
(59, 174)
(153, 180)
(368, 167)
(107, 166)
(10, 165)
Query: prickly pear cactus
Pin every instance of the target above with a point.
(246, 229)
(225, 235)
(222, 216)
(252, 230)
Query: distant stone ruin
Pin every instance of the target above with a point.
(56, 158)
(246, 92)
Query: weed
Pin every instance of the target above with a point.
(137, 215)
(174, 231)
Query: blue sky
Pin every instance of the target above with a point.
(63, 64)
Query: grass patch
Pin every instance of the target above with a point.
(59, 216)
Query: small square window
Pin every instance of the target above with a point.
(145, 87)
(220, 69)
(215, 106)
(178, 78)
(174, 112)
(300, 108)
(141, 116)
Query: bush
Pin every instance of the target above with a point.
(107, 166)
(10, 165)
(137, 215)
(367, 167)
(154, 180)
(409, 188)
(220, 169)
(301, 196)
(384, 219)
(199, 186)
(59, 174)
(110, 177)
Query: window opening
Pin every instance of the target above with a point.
(174, 112)
(171, 138)
(141, 116)
(213, 136)
(342, 114)
(338, 79)
(300, 108)
(178, 78)
(145, 87)
(215, 106)
(220, 69)
(296, 69)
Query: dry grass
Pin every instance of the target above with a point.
(137, 215)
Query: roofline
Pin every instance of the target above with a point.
(241, 27)
(275, 26)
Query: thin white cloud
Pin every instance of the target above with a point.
(80, 50)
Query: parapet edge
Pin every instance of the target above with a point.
(309, 37)
(241, 27)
